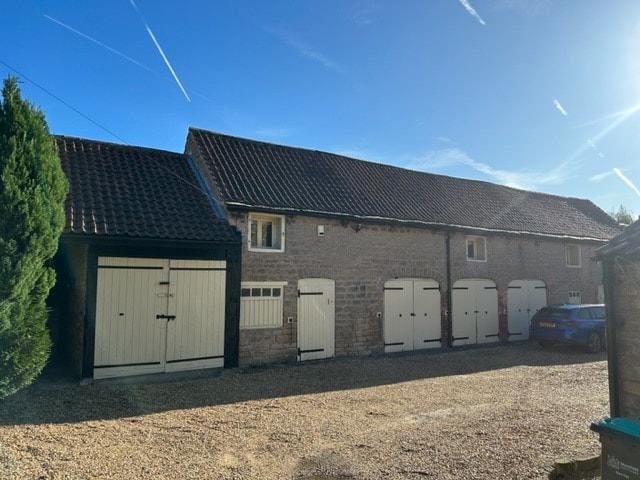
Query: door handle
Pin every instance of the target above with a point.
(168, 318)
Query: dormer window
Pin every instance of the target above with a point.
(266, 233)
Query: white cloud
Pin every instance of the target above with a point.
(559, 106)
(626, 180)
(441, 160)
(307, 51)
(598, 177)
(365, 14)
(472, 11)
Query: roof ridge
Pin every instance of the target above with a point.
(118, 145)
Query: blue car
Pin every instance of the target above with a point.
(570, 324)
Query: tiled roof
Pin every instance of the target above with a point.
(626, 243)
(124, 191)
(259, 175)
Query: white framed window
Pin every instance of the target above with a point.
(476, 249)
(261, 304)
(266, 233)
(573, 254)
(575, 297)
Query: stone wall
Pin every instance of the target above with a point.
(626, 320)
(361, 257)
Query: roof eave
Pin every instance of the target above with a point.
(414, 222)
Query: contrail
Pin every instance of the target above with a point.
(113, 50)
(164, 57)
(472, 11)
(560, 107)
(626, 180)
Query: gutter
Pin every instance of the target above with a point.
(434, 225)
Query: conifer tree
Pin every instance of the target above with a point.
(32, 192)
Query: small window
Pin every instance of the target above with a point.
(575, 297)
(266, 233)
(261, 305)
(477, 249)
(573, 256)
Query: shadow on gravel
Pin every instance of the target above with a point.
(58, 398)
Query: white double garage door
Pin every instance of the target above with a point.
(158, 315)
(412, 312)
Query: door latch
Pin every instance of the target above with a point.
(168, 318)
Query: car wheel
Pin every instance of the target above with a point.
(594, 342)
(545, 343)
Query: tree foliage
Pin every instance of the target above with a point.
(32, 192)
(623, 216)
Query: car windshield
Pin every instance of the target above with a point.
(554, 312)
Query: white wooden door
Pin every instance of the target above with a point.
(157, 315)
(195, 336)
(427, 326)
(129, 340)
(398, 323)
(474, 312)
(411, 314)
(316, 318)
(524, 298)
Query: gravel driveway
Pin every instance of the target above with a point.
(483, 413)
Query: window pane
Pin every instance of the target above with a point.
(584, 314)
(470, 249)
(245, 292)
(267, 234)
(266, 292)
(276, 292)
(573, 255)
(481, 249)
(253, 228)
(255, 292)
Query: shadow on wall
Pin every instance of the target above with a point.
(56, 398)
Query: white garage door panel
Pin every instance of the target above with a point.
(128, 336)
(524, 298)
(475, 312)
(398, 323)
(463, 311)
(316, 318)
(487, 305)
(195, 339)
(426, 304)
(157, 315)
(411, 314)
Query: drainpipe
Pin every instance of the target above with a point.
(449, 312)
(611, 327)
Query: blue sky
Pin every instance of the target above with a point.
(536, 94)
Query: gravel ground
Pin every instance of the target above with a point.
(483, 413)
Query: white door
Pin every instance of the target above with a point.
(411, 314)
(157, 315)
(524, 298)
(316, 318)
(474, 312)
(195, 337)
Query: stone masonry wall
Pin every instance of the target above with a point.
(626, 319)
(362, 257)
